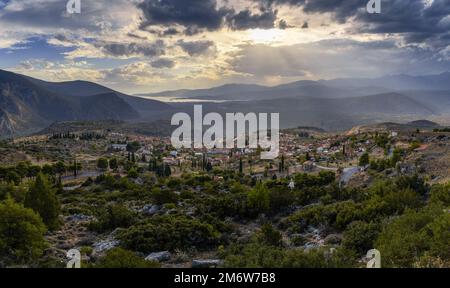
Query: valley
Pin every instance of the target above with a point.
(131, 199)
(28, 105)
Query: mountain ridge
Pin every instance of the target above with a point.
(333, 88)
(28, 104)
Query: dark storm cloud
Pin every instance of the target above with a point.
(342, 9)
(196, 48)
(199, 15)
(416, 20)
(170, 32)
(247, 20)
(413, 19)
(133, 49)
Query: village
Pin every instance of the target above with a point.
(302, 150)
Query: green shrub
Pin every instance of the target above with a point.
(116, 216)
(161, 197)
(269, 236)
(360, 236)
(440, 194)
(121, 258)
(260, 256)
(259, 198)
(168, 233)
(21, 234)
(413, 235)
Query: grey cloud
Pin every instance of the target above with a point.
(156, 48)
(247, 20)
(282, 24)
(413, 19)
(170, 32)
(196, 48)
(342, 9)
(52, 14)
(163, 63)
(164, 33)
(416, 20)
(199, 15)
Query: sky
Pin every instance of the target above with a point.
(143, 46)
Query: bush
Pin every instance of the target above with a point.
(440, 194)
(116, 216)
(228, 205)
(259, 198)
(269, 236)
(113, 164)
(161, 197)
(360, 236)
(121, 258)
(260, 256)
(337, 215)
(102, 163)
(364, 160)
(18, 193)
(323, 179)
(413, 235)
(168, 233)
(21, 234)
(280, 197)
(392, 198)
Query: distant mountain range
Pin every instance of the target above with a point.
(337, 88)
(333, 104)
(28, 104)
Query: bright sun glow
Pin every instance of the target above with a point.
(265, 36)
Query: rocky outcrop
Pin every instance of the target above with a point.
(159, 256)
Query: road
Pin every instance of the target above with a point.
(347, 173)
(84, 174)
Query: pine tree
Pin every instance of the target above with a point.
(167, 171)
(364, 159)
(60, 168)
(21, 234)
(75, 168)
(41, 197)
(204, 162)
(259, 198)
(113, 164)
